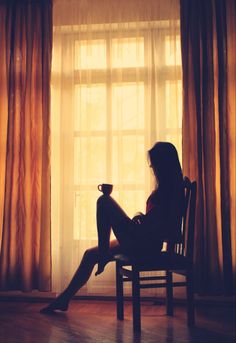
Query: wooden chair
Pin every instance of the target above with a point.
(179, 261)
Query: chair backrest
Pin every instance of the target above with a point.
(185, 248)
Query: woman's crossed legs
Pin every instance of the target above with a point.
(109, 214)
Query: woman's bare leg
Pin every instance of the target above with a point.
(104, 233)
(81, 276)
(110, 215)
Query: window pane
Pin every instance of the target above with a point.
(128, 106)
(89, 160)
(128, 160)
(127, 52)
(174, 106)
(172, 50)
(90, 54)
(131, 201)
(90, 107)
(85, 214)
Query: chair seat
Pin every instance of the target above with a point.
(162, 261)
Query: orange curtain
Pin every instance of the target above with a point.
(208, 37)
(25, 55)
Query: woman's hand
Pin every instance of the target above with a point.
(138, 218)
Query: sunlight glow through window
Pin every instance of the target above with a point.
(128, 52)
(90, 54)
(110, 122)
(172, 51)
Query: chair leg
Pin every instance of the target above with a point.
(119, 293)
(190, 299)
(136, 301)
(169, 293)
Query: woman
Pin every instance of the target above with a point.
(141, 237)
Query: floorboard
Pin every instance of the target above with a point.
(89, 321)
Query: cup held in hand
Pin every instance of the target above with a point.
(105, 188)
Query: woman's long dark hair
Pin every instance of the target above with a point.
(169, 194)
(164, 160)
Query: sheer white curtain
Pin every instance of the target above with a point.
(116, 89)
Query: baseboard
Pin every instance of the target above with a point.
(40, 297)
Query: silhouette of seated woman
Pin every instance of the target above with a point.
(141, 237)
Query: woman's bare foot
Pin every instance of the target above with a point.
(102, 263)
(101, 266)
(57, 304)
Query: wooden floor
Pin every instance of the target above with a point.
(95, 321)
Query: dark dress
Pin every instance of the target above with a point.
(162, 222)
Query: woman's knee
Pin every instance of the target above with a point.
(91, 254)
(103, 199)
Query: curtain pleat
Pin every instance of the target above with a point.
(222, 42)
(26, 37)
(207, 140)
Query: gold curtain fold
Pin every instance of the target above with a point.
(25, 55)
(208, 35)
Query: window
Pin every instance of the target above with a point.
(122, 97)
(115, 90)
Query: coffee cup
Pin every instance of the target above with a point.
(105, 188)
